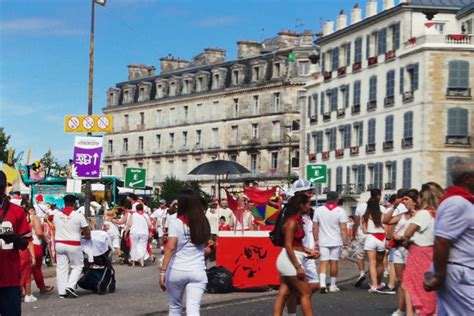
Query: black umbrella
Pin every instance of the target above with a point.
(219, 167)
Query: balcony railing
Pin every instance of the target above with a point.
(371, 105)
(341, 71)
(389, 101)
(313, 119)
(388, 186)
(458, 140)
(327, 75)
(356, 66)
(348, 189)
(326, 116)
(140, 151)
(390, 55)
(388, 145)
(312, 157)
(373, 60)
(463, 93)
(459, 39)
(354, 150)
(370, 187)
(355, 109)
(341, 113)
(408, 96)
(407, 142)
(325, 155)
(370, 148)
(339, 153)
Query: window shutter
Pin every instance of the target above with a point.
(407, 173)
(328, 173)
(390, 84)
(339, 171)
(382, 41)
(308, 143)
(408, 125)
(389, 128)
(361, 133)
(371, 132)
(358, 50)
(323, 62)
(449, 165)
(415, 76)
(394, 175)
(361, 178)
(322, 103)
(373, 88)
(348, 175)
(396, 36)
(315, 104)
(458, 122)
(309, 106)
(348, 54)
(347, 95)
(458, 74)
(335, 58)
(367, 47)
(402, 83)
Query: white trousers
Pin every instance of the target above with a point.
(194, 283)
(138, 249)
(68, 257)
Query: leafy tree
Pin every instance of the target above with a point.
(171, 188)
(196, 187)
(4, 139)
(49, 160)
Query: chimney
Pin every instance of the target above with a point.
(328, 28)
(371, 8)
(170, 63)
(341, 20)
(247, 48)
(138, 71)
(388, 4)
(210, 56)
(356, 15)
(306, 38)
(287, 38)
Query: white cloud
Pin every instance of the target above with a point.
(38, 26)
(217, 21)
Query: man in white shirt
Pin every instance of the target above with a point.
(69, 225)
(330, 235)
(41, 208)
(16, 198)
(225, 211)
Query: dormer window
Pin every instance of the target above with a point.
(172, 89)
(303, 67)
(161, 88)
(113, 96)
(256, 73)
(144, 91)
(215, 81)
(235, 77)
(199, 84)
(128, 94)
(218, 76)
(277, 70)
(187, 84)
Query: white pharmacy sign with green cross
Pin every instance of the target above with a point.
(316, 173)
(135, 178)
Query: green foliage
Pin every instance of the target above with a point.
(172, 186)
(4, 139)
(49, 160)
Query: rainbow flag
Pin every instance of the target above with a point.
(265, 214)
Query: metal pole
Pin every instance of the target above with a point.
(289, 160)
(88, 193)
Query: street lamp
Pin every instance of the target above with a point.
(88, 192)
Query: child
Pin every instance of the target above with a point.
(222, 224)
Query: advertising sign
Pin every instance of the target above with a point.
(87, 157)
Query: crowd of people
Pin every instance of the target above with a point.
(421, 240)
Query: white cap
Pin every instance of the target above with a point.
(298, 186)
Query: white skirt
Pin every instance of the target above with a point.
(284, 265)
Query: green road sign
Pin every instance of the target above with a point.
(317, 173)
(135, 178)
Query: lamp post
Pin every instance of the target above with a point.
(88, 192)
(289, 154)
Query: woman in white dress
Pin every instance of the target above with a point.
(139, 226)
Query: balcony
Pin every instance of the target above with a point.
(325, 155)
(459, 93)
(388, 145)
(326, 116)
(408, 96)
(371, 105)
(341, 113)
(355, 109)
(339, 153)
(341, 71)
(312, 157)
(356, 66)
(327, 75)
(389, 55)
(458, 140)
(348, 189)
(388, 186)
(389, 101)
(313, 119)
(370, 148)
(373, 60)
(407, 142)
(440, 40)
(459, 39)
(354, 150)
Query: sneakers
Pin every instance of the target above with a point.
(373, 289)
(63, 296)
(386, 290)
(398, 313)
(323, 290)
(30, 299)
(386, 273)
(360, 280)
(334, 289)
(71, 293)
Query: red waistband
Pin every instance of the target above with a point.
(69, 242)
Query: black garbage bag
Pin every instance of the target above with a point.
(219, 280)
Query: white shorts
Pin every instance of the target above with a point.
(374, 244)
(360, 252)
(400, 255)
(284, 265)
(311, 270)
(330, 253)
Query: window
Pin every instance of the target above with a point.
(361, 134)
(389, 128)
(408, 125)
(235, 77)
(390, 88)
(356, 96)
(407, 173)
(347, 136)
(124, 167)
(347, 53)
(125, 145)
(158, 142)
(274, 165)
(382, 41)
(235, 134)
(172, 118)
(395, 36)
(110, 147)
(361, 178)
(378, 176)
(172, 89)
(109, 170)
(276, 130)
(236, 108)
(216, 81)
(393, 176)
(319, 142)
(413, 76)
(255, 130)
(186, 112)
(334, 93)
(276, 101)
(256, 73)
(185, 139)
(140, 143)
(345, 95)
(373, 89)
(158, 118)
(214, 140)
(253, 163)
(458, 75)
(315, 104)
(303, 67)
(142, 118)
(322, 109)
(256, 105)
(358, 50)
(332, 138)
(371, 132)
(171, 139)
(199, 113)
(140, 165)
(339, 176)
(198, 137)
(125, 118)
(457, 122)
(276, 70)
(367, 47)
(199, 84)
(335, 58)
(215, 110)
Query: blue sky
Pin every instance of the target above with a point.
(44, 51)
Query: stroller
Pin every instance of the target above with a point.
(98, 274)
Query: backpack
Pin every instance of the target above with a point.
(219, 280)
(276, 235)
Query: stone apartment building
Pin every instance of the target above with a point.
(246, 110)
(392, 104)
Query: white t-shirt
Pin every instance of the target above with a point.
(113, 229)
(246, 218)
(330, 225)
(360, 211)
(69, 227)
(227, 213)
(98, 245)
(41, 210)
(188, 256)
(213, 219)
(424, 236)
(308, 240)
(169, 217)
(401, 209)
(140, 224)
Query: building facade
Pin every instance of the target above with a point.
(246, 110)
(392, 105)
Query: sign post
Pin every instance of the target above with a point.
(318, 175)
(135, 178)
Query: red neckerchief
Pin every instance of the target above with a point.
(140, 212)
(457, 191)
(68, 210)
(331, 206)
(184, 219)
